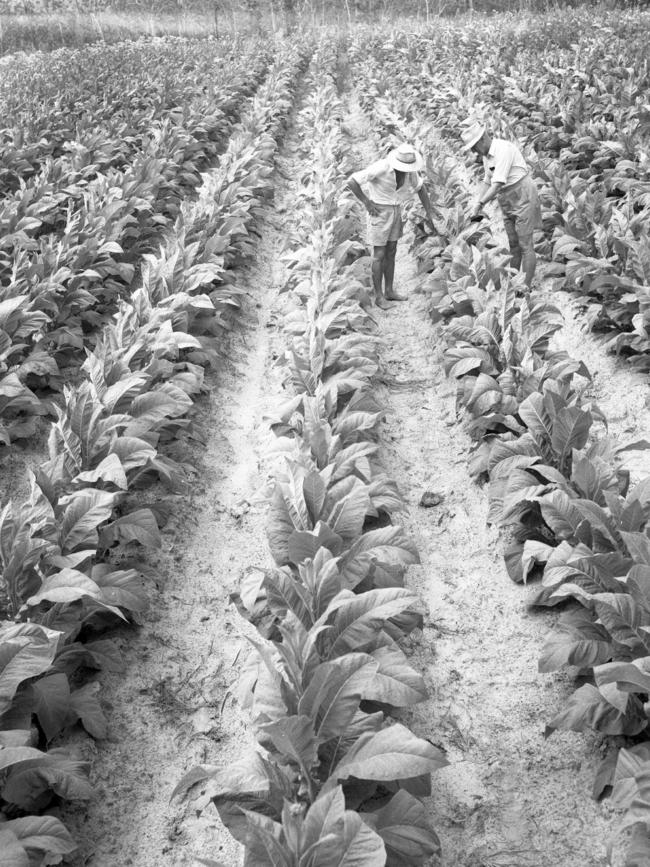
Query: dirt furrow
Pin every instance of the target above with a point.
(172, 710)
(509, 796)
(620, 392)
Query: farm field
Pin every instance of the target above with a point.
(289, 579)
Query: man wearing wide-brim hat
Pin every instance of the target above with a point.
(508, 179)
(382, 187)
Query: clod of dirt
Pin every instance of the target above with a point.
(430, 499)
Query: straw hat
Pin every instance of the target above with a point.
(471, 134)
(405, 159)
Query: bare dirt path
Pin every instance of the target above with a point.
(509, 798)
(172, 710)
(622, 393)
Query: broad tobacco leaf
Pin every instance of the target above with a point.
(629, 763)
(45, 834)
(70, 585)
(334, 692)
(577, 640)
(639, 809)
(294, 739)
(123, 588)
(628, 676)
(265, 846)
(606, 710)
(570, 431)
(324, 817)
(138, 526)
(395, 682)
(52, 703)
(359, 846)
(391, 754)
(253, 783)
(388, 546)
(561, 514)
(85, 706)
(404, 827)
(331, 836)
(356, 620)
(638, 853)
(26, 650)
(84, 512)
(32, 782)
(13, 852)
(304, 544)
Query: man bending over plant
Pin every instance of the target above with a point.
(508, 180)
(382, 187)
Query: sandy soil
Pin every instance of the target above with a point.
(620, 392)
(509, 798)
(173, 710)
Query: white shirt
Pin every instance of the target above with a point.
(378, 182)
(504, 163)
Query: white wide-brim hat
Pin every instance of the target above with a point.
(405, 159)
(471, 134)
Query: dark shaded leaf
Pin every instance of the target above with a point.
(403, 826)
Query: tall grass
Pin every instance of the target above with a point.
(44, 31)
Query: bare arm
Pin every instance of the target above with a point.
(423, 195)
(363, 198)
(486, 195)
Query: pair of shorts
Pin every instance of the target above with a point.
(386, 226)
(522, 212)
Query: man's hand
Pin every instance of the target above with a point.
(477, 209)
(372, 208)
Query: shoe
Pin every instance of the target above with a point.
(383, 304)
(395, 297)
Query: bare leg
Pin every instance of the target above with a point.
(513, 242)
(527, 257)
(529, 260)
(378, 260)
(389, 272)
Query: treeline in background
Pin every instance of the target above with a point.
(29, 25)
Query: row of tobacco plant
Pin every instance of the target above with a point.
(115, 434)
(91, 178)
(571, 515)
(584, 120)
(337, 781)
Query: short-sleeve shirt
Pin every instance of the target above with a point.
(504, 163)
(379, 183)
